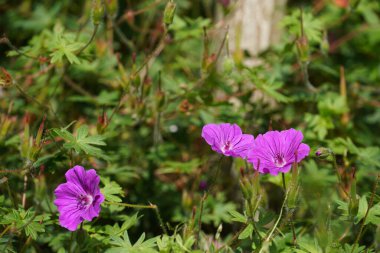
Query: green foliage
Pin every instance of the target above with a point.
(26, 221)
(81, 142)
(139, 79)
(124, 244)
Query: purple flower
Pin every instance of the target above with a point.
(203, 185)
(227, 139)
(79, 199)
(277, 151)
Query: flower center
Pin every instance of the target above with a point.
(226, 146)
(84, 201)
(279, 160)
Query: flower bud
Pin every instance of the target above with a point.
(5, 78)
(303, 48)
(97, 11)
(160, 99)
(203, 185)
(169, 12)
(40, 132)
(323, 153)
(244, 190)
(228, 65)
(218, 231)
(111, 7)
(325, 46)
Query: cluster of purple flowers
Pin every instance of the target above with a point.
(80, 198)
(272, 152)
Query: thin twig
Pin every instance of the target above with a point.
(157, 212)
(5, 40)
(91, 39)
(268, 237)
(44, 106)
(24, 193)
(200, 217)
(138, 206)
(366, 214)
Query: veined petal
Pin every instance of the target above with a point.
(303, 151)
(76, 175)
(212, 133)
(79, 199)
(243, 146)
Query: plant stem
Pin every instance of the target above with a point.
(5, 231)
(157, 212)
(91, 39)
(268, 237)
(5, 40)
(366, 214)
(24, 193)
(11, 195)
(337, 173)
(291, 214)
(138, 206)
(283, 181)
(44, 106)
(200, 217)
(71, 241)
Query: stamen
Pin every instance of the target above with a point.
(279, 160)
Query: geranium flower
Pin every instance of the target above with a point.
(277, 151)
(79, 199)
(227, 139)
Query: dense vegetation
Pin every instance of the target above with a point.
(125, 87)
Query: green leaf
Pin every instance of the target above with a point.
(28, 221)
(247, 232)
(112, 191)
(373, 215)
(236, 216)
(82, 142)
(363, 206)
(123, 244)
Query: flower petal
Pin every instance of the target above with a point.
(76, 175)
(303, 151)
(243, 146)
(71, 219)
(292, 139)
(92, 182)
(212, 133)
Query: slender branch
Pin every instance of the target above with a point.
(157, 212)
(283, 181)
(268, 237)
(138, 206)
(91, 39)
(291, 213)
(366, 214)
(24, 193)
(335, 164)
(200, 217)
(5, 231)
(77, 88)
(46, 107)
(5, 40)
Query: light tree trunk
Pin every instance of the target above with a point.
(254, 24)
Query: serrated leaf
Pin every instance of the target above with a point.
(247, 232)
(236, 216)
(112, 191)
(81, 142)
(373, 215)
(363, 206)
(123, 244)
